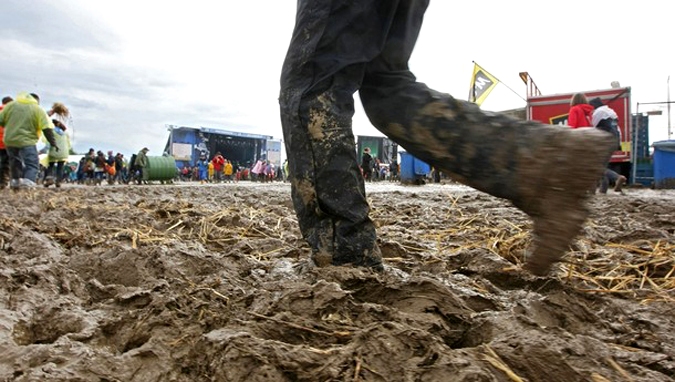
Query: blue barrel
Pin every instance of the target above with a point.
(664, 164)
(413, 170)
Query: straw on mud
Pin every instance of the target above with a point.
(338, 334)
(630, 269)
(620, 370)
(357, 368)
(215, 292)
(642, 269)
(595, 377)
(496, 361)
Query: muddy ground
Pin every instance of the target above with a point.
(211, 283)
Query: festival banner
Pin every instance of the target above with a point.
(482, 84)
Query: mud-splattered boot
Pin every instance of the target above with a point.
(544, 170)
(48, 181)
(558, 206)
(331, 246)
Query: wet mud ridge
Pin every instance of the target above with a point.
(200, 283)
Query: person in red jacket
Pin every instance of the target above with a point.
(4, 159)
(218, 164)
(581, 112)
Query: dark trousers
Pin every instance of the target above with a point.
(58, 175)
(341, 47)
(336, 48)
(4, 168)
(23, 162)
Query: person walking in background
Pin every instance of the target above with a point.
(606, 119)
(269, 172)
(56, 160)
(581, 112)
(338, 48)
(228, 170)
(100, 163)
(210, 171)
(4, 159)
(218, 164)
(284, 170)
(141, 166)
(121, 169)
(25, 122)
(393, 170)
(367, 164)
(89, 166)
(258, 170)
(203, 169)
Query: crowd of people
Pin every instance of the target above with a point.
(221, 170)
(373, 169)
(22, 124)
(95, 167)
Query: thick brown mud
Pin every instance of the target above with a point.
(212, 283)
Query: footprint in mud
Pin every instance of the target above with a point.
(47, 326)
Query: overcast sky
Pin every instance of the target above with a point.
(126, 69)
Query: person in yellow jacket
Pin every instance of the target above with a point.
(228, 170)
(210, 171)
(25, 122)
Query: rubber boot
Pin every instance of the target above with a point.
(48, 181)
(543, 170)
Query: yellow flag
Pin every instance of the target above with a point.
(482, 84)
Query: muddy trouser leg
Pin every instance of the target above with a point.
(323, 69)
(327, 187)
(543, 170)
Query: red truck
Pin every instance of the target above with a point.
(554, 109)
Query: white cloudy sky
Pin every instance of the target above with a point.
(128, 68)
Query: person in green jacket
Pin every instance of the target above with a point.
(141, 163)
(4, 159)
(25, 121)
(57, 158)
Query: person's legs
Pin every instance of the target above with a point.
(59, 173)
(605, 180)
(544, 170)
(610, 177)
(31, 162)
(322, 71)
(24, 165)
(48, 178)
(4, 168)
(15, 166)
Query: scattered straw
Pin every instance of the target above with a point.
(493, 358)
(620, 370)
